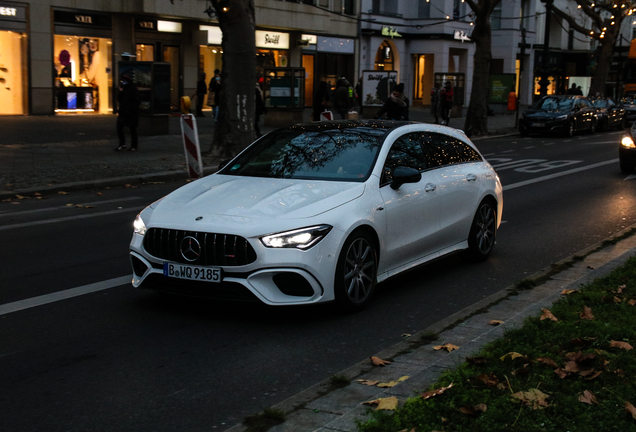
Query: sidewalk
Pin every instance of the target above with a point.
(49, 153)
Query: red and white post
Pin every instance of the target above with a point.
(191, 145)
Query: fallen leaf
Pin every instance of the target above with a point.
(379, 362)
(437, 392)
(481, 408)
(495, 322)
(593, 376)
(70, 205)
(630, 409)
(387, 404)
(631, 302)
(586, 314)
(588, 398)
(567, 291)
(547, 361)
(512, 355)
(533, 398)
(406, 335)
(392, 383)
(547, 315)
(448, 347)
(21, 197)
(476, 360)
(367, 382)
(561, 373)
(489, 379)
(621, 345)
(62, 193)
(99, 193)
(618, 300)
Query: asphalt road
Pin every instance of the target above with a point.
(124, 359)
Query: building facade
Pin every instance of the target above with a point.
(64, 56)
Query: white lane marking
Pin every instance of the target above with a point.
(630, 177)
(560, 174)
(63, 295)
(46, 209)
(68, 218)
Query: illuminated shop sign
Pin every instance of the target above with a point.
(12, 13)
(82, 19)
(146, 24)
(274, 40)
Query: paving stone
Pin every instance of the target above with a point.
(304, 420)
(342, 400)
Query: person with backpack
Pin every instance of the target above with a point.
(396, 106)
(446, 99)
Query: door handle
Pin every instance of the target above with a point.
(430, 187)
(471, 177)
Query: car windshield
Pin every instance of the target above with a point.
(552, 104)
(340, 154)
(600, 103)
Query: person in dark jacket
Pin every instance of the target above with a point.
(128, 112)
(215, 91)
(341, 99)
(202, 90)
(322, 100)
(396, 106)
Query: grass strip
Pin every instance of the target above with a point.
(572, 369)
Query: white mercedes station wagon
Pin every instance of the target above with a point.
(321, 212)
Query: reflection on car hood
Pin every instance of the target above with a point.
(542, 113)
(255, 197)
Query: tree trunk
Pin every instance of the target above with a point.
(603, 63)
(477, 115)
(235, 127)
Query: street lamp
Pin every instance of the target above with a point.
(545, 82)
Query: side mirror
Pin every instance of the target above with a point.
(402, 174)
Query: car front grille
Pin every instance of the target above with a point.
(213, 249)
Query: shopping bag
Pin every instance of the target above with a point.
(326, 115)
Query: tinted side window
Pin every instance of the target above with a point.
(444, 150)
(406, 151)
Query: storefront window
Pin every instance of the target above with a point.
(12, 72)
(82, 70)
(145, 52)
(209, 60)
(384, 57)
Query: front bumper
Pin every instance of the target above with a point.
(543, 125)
(283, 276)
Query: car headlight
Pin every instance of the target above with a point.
(302, 238)
(563, 117)
(628, 142)
(139, 226)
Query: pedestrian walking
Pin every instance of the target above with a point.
(446, 101)
(215, 91)
(435, 102)
(202, 90)
(396, 106)
(341, 99)
(128, 112)
(259, 109)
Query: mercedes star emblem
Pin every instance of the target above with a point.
(190, 248)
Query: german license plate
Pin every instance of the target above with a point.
(538, 124)
(184, 271)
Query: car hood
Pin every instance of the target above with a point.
(546, 114)
(254, 198)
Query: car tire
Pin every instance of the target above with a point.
(593, 127)
(483, 231)
(604, 126)
(356, 272)
(626, 168)
(569, 132)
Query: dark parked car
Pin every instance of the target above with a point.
(609, 113)
(627, 151)
(629, 103)
(564, 114)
